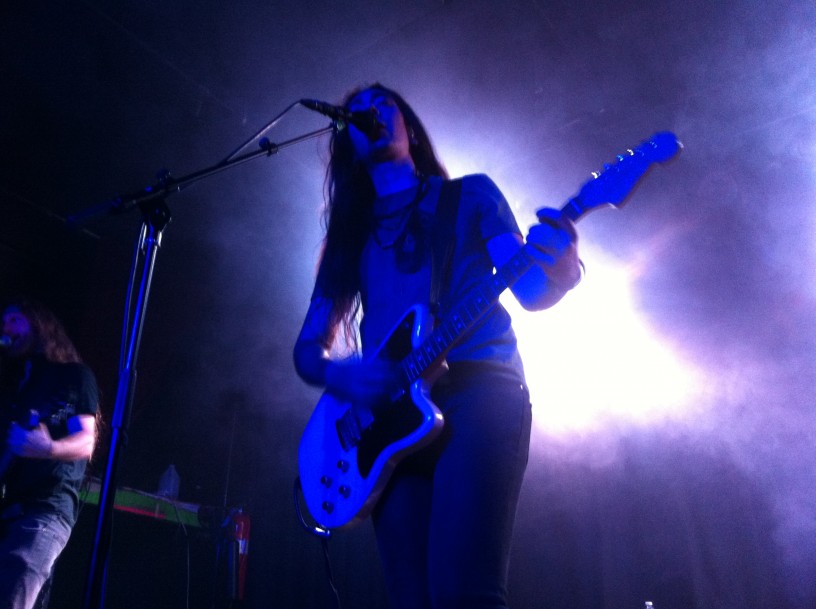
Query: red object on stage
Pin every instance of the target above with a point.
(241, 524)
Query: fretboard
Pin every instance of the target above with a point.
(609, 187)
(465, 316)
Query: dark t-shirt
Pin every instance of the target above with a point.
(55, 392)
(389, 289)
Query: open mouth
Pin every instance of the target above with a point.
(381, 133)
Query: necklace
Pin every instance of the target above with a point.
(404, 213)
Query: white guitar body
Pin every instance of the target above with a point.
(342, 477)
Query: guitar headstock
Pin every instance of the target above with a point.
(613, 185)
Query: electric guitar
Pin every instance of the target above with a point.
(32, 419)
(346, 455)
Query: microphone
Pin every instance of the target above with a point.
(5, 341)
(365, 121)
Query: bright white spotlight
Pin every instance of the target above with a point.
(592, 362)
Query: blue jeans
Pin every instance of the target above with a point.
(29, 546)
(445, 521)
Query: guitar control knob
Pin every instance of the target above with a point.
(328, 507)
(325, 481)
(343, 465)
(345, 491)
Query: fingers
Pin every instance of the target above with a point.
(555, 248)
(549, 239)
(554, 218)
(34, 443)
(17, 440)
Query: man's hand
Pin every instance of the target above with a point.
(37, 443)
(33, 444)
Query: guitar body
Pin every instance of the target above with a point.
(342, 478)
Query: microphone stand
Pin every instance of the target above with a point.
(155, 217)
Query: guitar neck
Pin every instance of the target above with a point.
(465, 315)
(608, 188)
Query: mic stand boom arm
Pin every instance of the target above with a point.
(168, 185)
(155, 217)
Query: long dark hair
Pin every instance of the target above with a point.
(50, 337)
(347, 215)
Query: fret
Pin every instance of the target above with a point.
(447, 333)
(486, 295)
(424, 357)
(473, 309)
(427, 352)
(498, 282)
(407, 376)
(412, 368)
(573, 209)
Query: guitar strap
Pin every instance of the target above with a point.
(444, 240)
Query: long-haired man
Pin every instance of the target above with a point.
(49, 400)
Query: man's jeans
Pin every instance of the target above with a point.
(29, 546)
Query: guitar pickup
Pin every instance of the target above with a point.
(348, 439)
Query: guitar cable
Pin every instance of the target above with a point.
(324, 535)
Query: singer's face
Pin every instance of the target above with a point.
(17, 327)
(391, 143)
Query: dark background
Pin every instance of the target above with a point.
(673, 461)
